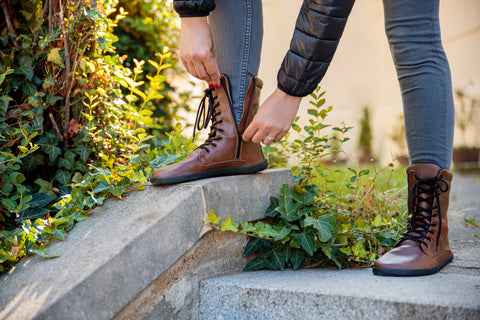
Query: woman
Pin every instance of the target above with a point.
(230, 43)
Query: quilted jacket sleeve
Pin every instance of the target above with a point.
(193, 8)
(319, 27)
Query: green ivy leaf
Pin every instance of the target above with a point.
(254, 244)
(62, 176)
(277, 232)
(51, 99)
(279, 257)
(296, 258)
(259, 263)
(26, 66)
(387, 238)
(212, 218)
(67, 161)
(163, 160)
(271, 210)
(83, 151)
(359, 250)
(4, 101)
(306, 240)
(55, 57)
(325, 225)
(229, 225)
(59, 234)
(48, 144)
(362, 225)
(247, 227)
(45, 186)
(286, 207)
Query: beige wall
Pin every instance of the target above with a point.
(362, 72)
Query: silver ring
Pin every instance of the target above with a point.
(270, 138)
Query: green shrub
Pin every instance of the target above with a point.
(74, 120)
(331, 215)
(149, 27)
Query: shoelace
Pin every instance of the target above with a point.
(416, 225)
(205, 114)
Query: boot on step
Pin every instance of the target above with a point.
(424, 247)
(224, 152)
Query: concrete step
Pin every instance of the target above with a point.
(142, 257)
(333, 294)
(454, 293)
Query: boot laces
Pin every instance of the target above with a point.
(417, 229)
(205, 114)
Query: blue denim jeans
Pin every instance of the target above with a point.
(413, 32)
(237, 29)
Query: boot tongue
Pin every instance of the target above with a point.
(424, 170)
(422, 200)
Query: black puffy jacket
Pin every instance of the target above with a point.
(318, 29)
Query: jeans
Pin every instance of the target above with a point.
(237, 29)
(413, 32)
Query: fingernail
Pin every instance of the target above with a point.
(216, 86)
(210, 86)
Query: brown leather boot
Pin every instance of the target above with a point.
(423, 248)
(224, 152)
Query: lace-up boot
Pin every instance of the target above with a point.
(424, 248)
(224, 152)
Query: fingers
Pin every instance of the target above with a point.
(273, 119)
(197, 51)
(264, 133)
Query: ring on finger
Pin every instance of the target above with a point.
(270, 138)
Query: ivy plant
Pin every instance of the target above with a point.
(330, 216)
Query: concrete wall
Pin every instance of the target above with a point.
(362, 72)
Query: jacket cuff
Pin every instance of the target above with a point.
(294, 87)
(193, 8)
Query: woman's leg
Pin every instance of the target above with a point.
(237, 28)
(413, 32)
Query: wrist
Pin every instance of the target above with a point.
(193, 22)
(284, 95)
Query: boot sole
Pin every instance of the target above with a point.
(411, 272)
(210, 174)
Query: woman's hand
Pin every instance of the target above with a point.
(273, 119)
(197, 51)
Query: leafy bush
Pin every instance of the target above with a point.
(331, 216)
(154, 25)
(73, 119)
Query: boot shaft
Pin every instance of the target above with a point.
(231, 146)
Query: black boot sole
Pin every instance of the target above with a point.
(411, 272)
(210, 174)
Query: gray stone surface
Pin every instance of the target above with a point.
(333, 294)
(453, 293)
(106, 261)
(175, 294)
